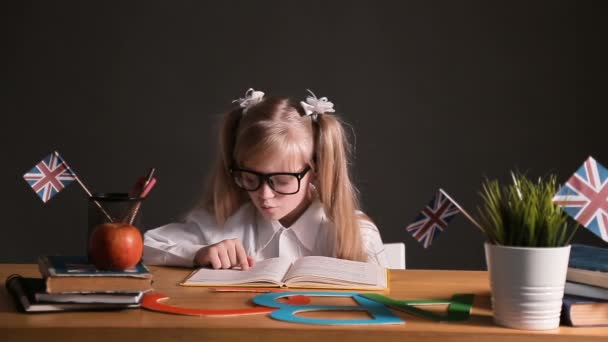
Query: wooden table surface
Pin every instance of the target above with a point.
(143, 325)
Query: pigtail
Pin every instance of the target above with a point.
(222, 197)
(335, 188)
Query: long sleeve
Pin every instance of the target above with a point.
(175, 244)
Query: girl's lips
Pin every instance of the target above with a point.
(268, 208)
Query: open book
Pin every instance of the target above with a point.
(307, 272)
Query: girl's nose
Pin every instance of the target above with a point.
(266, 191)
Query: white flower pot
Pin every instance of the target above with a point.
(527, 285)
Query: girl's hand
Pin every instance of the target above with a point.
(224, 254)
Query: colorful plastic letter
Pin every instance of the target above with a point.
(287, 312)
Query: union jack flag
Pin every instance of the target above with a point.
(585, 197)
(49, 176)
(433, 219)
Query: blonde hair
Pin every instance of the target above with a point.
(279, 125)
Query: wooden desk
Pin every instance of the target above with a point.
(142, 325)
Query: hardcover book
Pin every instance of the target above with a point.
(64, 274)
(588, 265)
(581, 311)
(585, 290)
(90, 297)
(307, 272)
(588, 258)
(24, 290)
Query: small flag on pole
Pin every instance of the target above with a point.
(49, 176)
(585, 197)
(433, 219)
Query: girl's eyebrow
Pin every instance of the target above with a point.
(301, 169)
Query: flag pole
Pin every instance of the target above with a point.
(464, 212)
(84, 187)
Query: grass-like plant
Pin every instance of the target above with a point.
(523, 213)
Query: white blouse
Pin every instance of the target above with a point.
(176, 244)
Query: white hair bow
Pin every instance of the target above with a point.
(251, 98)
(314, 106)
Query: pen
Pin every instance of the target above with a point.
(146, 186)
(149, 178)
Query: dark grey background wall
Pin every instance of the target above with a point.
(440, 93)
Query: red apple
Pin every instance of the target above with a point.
(115, 246)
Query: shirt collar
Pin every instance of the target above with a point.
(306, 227)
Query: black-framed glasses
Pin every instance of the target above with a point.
(285, 183)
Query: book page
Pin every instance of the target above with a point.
(269, 270)
(321, 269)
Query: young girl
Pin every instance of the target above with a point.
(280, 187)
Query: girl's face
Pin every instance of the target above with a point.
(272, 204)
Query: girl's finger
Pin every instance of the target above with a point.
(214, 259)
(251, 261)
(242, 257)
(223, 255)
(232, 255)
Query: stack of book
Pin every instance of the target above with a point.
(71, 283)
(585, 300)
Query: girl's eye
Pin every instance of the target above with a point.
(283, 179)
(249, 178)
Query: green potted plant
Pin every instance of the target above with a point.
(527, 251)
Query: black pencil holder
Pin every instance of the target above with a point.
(114, 239)
(114, 207)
